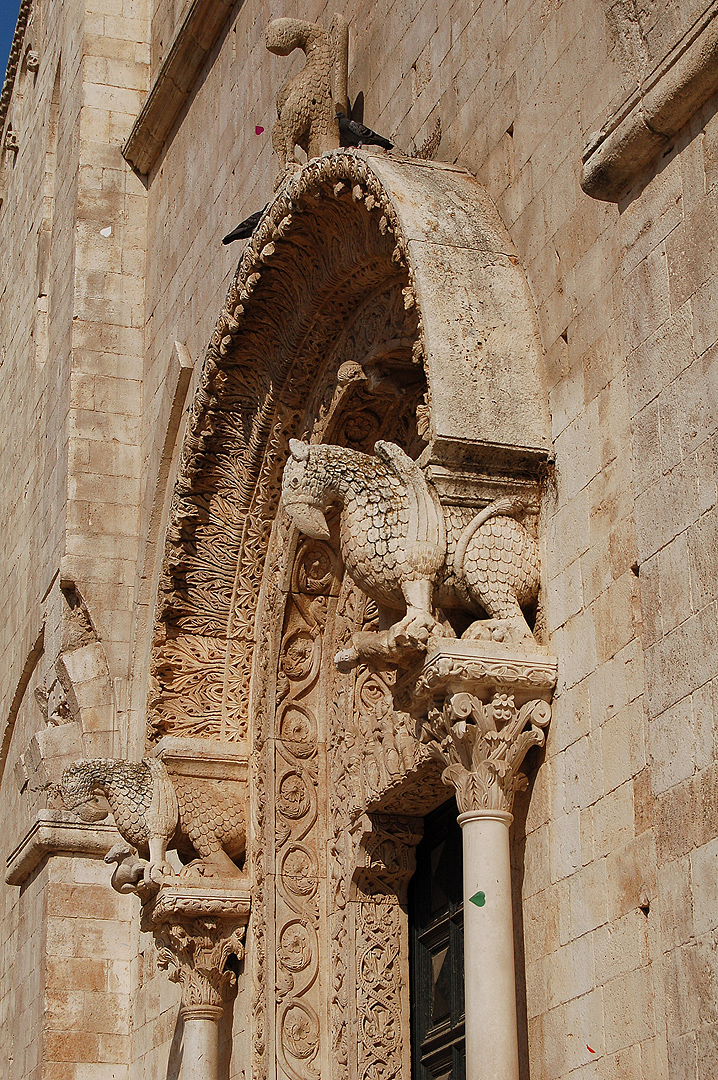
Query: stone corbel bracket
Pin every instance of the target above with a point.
(645, 123)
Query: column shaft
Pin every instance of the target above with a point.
(490, 984)
(200, 1051)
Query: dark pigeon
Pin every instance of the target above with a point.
(352, 133)
(245, 228)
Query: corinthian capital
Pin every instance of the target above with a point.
(196, 931)
(483, 746)
(480, 708)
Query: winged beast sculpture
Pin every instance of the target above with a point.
(402, 550)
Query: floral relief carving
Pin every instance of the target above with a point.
(299, 818)
(196, 932)
(244, 414)
(483, 746)
(385, 868)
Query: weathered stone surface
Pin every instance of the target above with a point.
(551, 324)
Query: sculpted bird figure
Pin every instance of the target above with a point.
(305, 104)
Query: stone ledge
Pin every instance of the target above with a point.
(526, 671)
(204, 758)
(646, 122)
(175, 81)
(227, 898)
(57, 832)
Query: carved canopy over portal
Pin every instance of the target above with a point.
(368, 278)
(378, 299)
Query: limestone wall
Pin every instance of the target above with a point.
(623, 295)
(614, 848)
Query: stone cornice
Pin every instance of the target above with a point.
(461, 666)
(224, 899)
(14, 59)
(646, 121)
(56, 832)
(175, 81)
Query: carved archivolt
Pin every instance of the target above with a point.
(332, 293)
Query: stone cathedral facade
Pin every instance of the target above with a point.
(360, 638)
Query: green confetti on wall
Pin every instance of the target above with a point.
(478, 898)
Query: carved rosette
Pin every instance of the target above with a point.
(478, 722)
(196, 931)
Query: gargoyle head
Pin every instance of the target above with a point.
(303, 493)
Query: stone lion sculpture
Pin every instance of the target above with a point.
(154, 812)
(395, 542)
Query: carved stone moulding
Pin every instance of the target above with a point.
(57, 832)
(202, 758)
(196, 931)
(483, 668)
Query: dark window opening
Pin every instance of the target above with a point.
(436, 950)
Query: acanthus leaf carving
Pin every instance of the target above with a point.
(483, 745)
(196, 932)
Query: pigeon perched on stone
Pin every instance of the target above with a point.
(352, 133)
(245, 228)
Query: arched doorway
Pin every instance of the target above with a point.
(378, 298)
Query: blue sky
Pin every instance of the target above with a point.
(8, 18)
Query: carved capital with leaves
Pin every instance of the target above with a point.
(483, 746)
(197, 933)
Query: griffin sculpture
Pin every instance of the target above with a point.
(400, 548)
(154, 812)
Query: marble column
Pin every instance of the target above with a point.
(196, 930)
(481, 707)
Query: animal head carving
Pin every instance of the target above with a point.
(282, 36)
(303, 493)
(81, 791)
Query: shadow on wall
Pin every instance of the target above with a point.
(518, 853)
(174, 1064)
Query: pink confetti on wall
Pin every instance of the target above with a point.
(258, 130)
